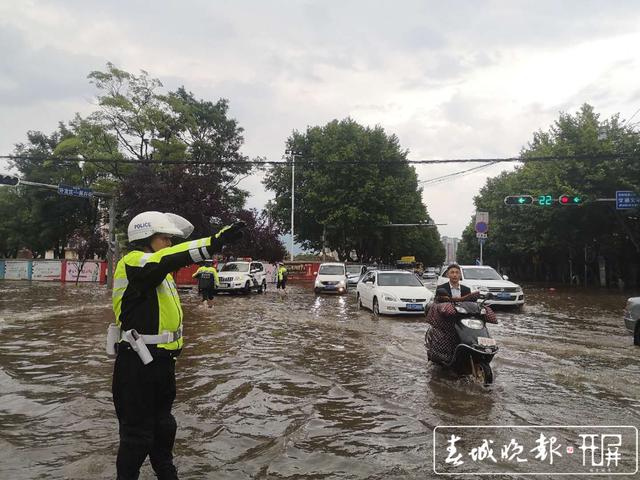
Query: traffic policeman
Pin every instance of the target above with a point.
(149, 316)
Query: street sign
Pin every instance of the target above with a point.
(482, 227)
(481, 235)
(627, 199)
(482, 222)
(75, 191)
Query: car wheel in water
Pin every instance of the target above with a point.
(358, 302)
(263, 288)
(247, 288)
(636, 334)
(376, 308)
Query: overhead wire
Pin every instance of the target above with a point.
(453, 175)
(310, 161)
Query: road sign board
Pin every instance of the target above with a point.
(627, 199)
(481, 235)
(482, 227)
(75, 191)
(482, 217)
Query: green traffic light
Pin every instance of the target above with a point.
(518, 200)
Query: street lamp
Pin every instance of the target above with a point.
(292, 154)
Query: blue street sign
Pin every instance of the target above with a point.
(482, 227)
(627, 199)
(75, 191)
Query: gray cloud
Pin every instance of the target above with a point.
(29, 75)
(425, 70)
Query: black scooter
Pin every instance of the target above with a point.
(476, 348)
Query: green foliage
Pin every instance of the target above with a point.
(546, 242)
(135, 124)
(350, 201)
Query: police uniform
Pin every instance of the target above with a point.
(145, 300)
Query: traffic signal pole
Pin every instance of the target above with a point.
(112, 252)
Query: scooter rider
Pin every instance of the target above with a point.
(442, 337)
(148, 311)
(454, 288)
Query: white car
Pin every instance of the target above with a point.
(243, 277)
(486, 279)
(392, 292)
(354, 272)
(331, 277)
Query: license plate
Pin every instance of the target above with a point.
(504, 296)
(225, 285)
(486, 342)
(415, 306)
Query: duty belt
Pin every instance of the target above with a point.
(164, 337)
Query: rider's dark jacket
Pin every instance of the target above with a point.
(442, 336)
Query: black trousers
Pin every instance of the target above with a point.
(208, 293)
(143, 396)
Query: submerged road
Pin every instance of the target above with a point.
(299, 386)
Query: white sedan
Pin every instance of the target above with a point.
(392, 292)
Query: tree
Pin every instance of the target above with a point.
(340, 194)
(552, 242)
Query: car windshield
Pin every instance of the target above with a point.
(235, 267)
(480, 274)
(398, 280)
(331, 270)
(354, 269)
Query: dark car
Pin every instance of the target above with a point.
(632, 318)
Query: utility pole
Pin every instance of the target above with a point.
(324, 236)
(112, 246)
(292, 154)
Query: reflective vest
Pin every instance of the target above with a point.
(145, 296)
(282, 272)
(208, 277)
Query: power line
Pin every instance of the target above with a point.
(454, 174)
(302, 161)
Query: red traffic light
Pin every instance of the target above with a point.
(570, 200)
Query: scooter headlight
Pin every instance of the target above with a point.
(473, 323)
(460, 309)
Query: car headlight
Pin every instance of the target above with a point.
(472, 323)
(341, 283)
(387, 297)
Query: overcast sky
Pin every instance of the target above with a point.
(450, 79)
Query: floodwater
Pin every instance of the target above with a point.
(300, 386)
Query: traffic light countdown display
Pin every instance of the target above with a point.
(542, 200)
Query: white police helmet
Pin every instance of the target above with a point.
(146, 224)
